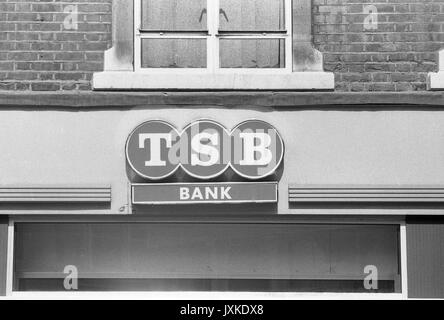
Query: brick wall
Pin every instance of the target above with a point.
(393, 55)
(42, 48)
(39, 52)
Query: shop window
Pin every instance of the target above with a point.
(206, 44)
(207, 257)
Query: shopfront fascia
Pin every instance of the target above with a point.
(346, 180)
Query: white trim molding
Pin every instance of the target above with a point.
(120, 56)
(435, 80)
(403, 259)
(121, 71)
(10, 259)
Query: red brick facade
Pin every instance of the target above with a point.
(396, 56)
(38, 53)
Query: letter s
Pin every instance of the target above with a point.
(209, 150)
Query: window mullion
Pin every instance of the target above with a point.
(213, 41)
(288, 13)
(137, 35)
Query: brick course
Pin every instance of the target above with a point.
(38, 53)
(396, 56)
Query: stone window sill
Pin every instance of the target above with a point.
(435, 80)
(118, 80)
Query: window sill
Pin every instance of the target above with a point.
(109, 80)
(436, 81)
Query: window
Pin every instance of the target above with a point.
(213, 45)
(213, 35)
(276, 257)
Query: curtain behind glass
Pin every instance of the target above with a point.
(206, 251)
(252, 15)
(174, 15)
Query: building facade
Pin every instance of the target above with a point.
(287, 147)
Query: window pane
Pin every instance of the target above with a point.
(174, 53)
(219, 257)
(252, 15)
(174, 14)
(251, 53)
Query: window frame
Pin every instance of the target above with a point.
(399, 222)
(213, 38)
(120, 73)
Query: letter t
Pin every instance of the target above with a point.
(155, 150)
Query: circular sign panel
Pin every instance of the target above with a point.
(257, 149)
(151, 151)
(205, 149)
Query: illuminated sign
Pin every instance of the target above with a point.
(204, 149)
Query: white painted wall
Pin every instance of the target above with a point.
(322, 147)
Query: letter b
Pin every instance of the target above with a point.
(256, 149)
(251, 149)
(184, 193)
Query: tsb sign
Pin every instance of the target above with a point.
(204, 149)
